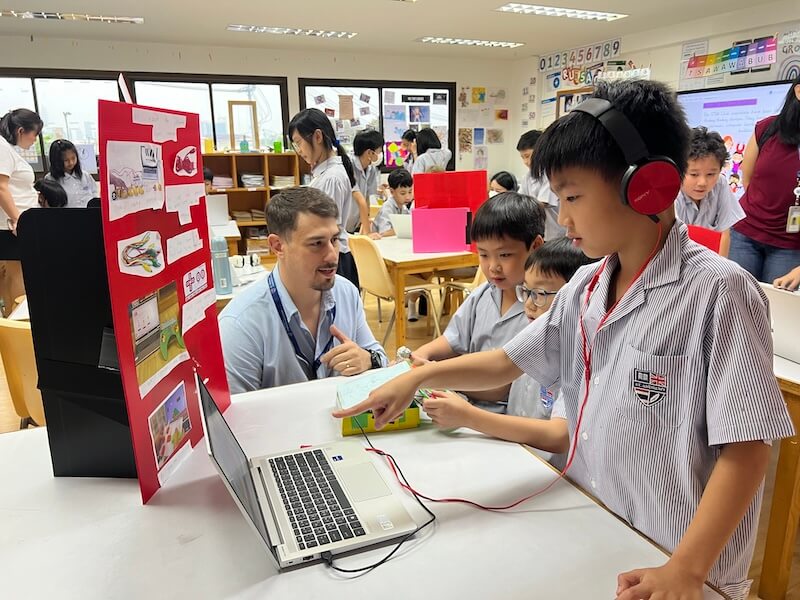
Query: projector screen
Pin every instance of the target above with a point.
(733, 113)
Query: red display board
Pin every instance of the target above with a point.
(451, 189)
(159, 277)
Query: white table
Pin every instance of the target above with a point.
(20, 313)
(91, 538)
(246, 281)
(401, 260)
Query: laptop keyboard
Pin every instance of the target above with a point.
(318, 509)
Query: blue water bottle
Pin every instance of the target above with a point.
(221, 266)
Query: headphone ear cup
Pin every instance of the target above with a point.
(652, 186)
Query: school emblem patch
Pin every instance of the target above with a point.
(650, 388)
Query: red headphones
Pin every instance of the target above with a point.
(651, 183)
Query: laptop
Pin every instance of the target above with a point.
(301, 503)
(784, 309)
(401, 225)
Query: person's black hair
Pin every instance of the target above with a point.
(579, 140)
(506, 179)
(52, 192)
(510, 215)
(427, 139)
(283, 208)
(370, 139)
(307, 121)
(707, 143)
(400, 178)
(528, 140)
(23, 118)
(56, 157)
(787, 123)
(208, 174)
(409, 135)
(558, 257)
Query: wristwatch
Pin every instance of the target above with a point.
(375, 359)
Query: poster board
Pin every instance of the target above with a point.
(159, 274)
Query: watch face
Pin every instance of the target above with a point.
(375, 359)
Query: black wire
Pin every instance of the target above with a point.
(328, 557)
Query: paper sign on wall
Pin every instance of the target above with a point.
(346, 107)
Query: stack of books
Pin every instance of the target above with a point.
(281, 181)
(250, 180)
(221, 182)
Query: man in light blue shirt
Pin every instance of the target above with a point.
(266, 331)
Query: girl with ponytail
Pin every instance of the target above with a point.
(18, 128)
(314, 140)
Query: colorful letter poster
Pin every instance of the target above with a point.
(159, 276)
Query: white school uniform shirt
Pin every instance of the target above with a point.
(382, 223)
(435, 157)
(719, 210)
(367, 180)
(681, 367)
(331, 178)
(79, 189)
(20, 180)
(539, 189)
(478, 324)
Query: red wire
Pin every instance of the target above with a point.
(587, 361)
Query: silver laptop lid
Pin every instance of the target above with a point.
(231, 460)
(784, 307)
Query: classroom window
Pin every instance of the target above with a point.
(179, 95)
(350, 109)
(268, 110)
(391, 107)
(68, 108)
(17, 92)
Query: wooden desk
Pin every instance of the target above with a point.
(401, 260)
(91, 538)
(784, 514)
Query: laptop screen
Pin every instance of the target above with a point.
(232, 460)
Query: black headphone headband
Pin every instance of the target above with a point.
(619, 126)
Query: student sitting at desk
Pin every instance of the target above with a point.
(303, 321)
(401, 186)
(506, 228)
(51, 194)
(705, 198)
(65, 169)
(663, 352)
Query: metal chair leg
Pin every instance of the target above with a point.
(388, 330)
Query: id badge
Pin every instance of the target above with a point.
(793, 220)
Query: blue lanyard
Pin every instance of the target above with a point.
(304, 362)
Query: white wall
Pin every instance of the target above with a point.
(22, 51)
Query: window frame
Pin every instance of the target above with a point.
(381, 85)
(132, 76)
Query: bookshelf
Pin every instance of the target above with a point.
(246, 198)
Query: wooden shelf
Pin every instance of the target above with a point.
(253, 223)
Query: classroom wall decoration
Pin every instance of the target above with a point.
(741, 57)
(464, 141)
(579, 56)
(165, 323)
(394, 154)
(789, 54)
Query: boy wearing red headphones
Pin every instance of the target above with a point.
(663, 351)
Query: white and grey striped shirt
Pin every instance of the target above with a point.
(682, 367)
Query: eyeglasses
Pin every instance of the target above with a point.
(296, 146)
(538, 297)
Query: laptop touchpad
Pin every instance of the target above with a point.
(363, 482)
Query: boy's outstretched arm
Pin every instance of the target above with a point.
(730, 489)
(470, 372)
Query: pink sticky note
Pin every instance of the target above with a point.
(439, 229)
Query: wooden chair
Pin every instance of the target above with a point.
(374, 279)
(19, 361)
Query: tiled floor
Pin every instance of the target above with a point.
(418, 334)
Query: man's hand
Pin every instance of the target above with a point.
(669, 582)
(347, 358)
(448, 410)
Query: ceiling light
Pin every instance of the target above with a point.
(291, 31)
(62, 16)
(552, 11)
(463, 42)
